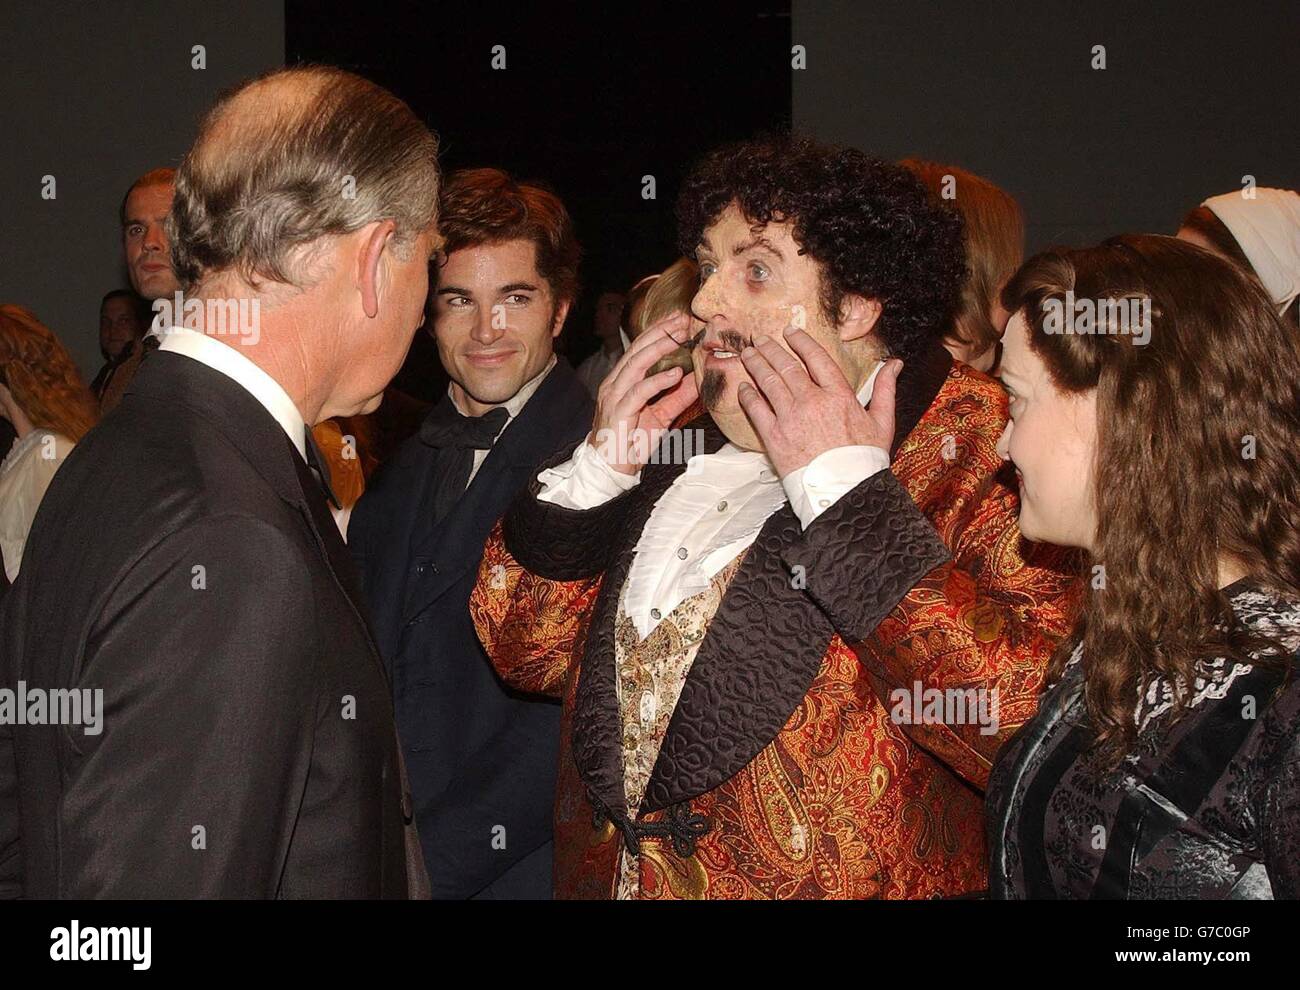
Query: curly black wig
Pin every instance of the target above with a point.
(871, 225)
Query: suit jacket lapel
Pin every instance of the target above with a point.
(748, 676)
(453, 541)
(325, 530)
(175, 379)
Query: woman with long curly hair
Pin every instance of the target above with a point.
(44, 397)
(1155, 420)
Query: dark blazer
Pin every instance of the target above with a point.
(481, 757)
(185, 563)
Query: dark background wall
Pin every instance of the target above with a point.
(1194, 96)
(96, 94)
(594, 96)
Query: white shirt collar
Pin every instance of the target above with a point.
(516, 402)
(226, 359)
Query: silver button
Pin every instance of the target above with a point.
(647, 708)
(722, 506)
(681, 553)
(823, 502)
(655, 614)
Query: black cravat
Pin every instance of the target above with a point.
(446, 427)
(457, 437)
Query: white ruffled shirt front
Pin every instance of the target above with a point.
(710, 513)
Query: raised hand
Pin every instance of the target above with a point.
(804, 406)
(628, 426)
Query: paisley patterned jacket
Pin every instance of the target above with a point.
(793, 765)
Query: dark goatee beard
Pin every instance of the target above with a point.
(715, 382)
(712, 388)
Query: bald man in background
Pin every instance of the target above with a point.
(145, 247)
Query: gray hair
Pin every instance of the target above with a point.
(293, 156)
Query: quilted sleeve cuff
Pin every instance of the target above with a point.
(859, 558)
(559, 543)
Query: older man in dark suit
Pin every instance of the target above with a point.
(482, 757)
(188, 579)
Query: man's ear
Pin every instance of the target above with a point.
(561, 312)
(375, 237)
(858, 317)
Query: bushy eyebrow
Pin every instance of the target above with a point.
(145, 221)
(456, 290)
(756, 242)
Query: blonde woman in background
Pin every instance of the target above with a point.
(993, 233)
(657, 296)
(44, 397)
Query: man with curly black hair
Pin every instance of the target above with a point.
(787, 658)
(827, 240)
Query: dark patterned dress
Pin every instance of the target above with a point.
(1207, 807)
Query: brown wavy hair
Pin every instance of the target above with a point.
(488, 206)
(1176, 490)
(42, 375)
(994, 237)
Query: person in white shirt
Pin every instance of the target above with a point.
(613, 340)
(746, 579)
(50, 408)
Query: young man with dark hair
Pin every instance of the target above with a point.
(482, 757)
(749, 648)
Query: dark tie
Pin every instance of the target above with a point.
(319, 467)
(315, 489)
(456, 437)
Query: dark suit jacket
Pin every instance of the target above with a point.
(482, 757)
(184, 562)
